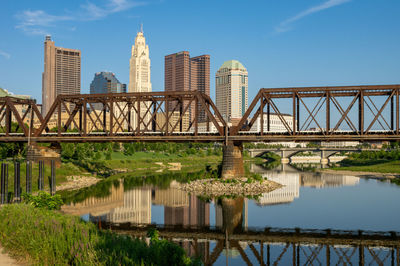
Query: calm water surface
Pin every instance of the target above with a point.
(286, 226)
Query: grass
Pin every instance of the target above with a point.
(146, 160)
(383, 161)
(44, 237)
(378, 166)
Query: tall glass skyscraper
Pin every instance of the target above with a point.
(106, 82)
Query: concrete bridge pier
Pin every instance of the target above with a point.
(325, 154)
(285, 157)
(232, 160)
(286, 154)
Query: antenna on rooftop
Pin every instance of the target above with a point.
(141, 27)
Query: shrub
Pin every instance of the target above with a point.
(43, 200)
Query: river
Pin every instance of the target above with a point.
(315, 218)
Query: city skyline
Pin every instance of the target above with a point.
(278, 50)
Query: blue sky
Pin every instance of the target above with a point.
(281, 43)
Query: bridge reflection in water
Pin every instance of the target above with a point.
(188, 222)
(274, 246)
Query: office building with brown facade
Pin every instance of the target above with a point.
(183, 73)
(62, 73)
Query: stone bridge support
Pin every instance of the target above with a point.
(232, 160)
(36, 153)
(286, 154)
(325, 154)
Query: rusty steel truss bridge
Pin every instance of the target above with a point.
(345, 113)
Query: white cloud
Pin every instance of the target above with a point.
(95, 12)
(121, 5)
(38, 22)
(285, 25)
(6, 55)
(35, 22)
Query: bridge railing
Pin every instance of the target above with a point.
(136, 114)
(326, 111)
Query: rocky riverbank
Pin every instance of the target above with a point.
(77, 182)
(232, 187)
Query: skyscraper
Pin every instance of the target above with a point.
(200, 80)
(62, 73)
(231, 85)
(139, 73)
(106, 82)
(183, 73)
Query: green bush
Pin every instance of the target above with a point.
(48, 237)
(43, 200)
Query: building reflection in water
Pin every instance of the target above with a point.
(233, 243)
(183, 210)
(97, 206)
(292, 180)
(328, 180)
(187, 223)
(286, 194)
(136, 208)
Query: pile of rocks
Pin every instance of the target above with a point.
(231, 187)
(77, 182)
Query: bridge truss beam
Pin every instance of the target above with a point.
(325, 113)
(155, 116)
(346, 113)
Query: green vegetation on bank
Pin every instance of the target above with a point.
(378, 167)
(43, 200)
(104, 158)
(47, 237)
(372, 161)
(107, 159)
